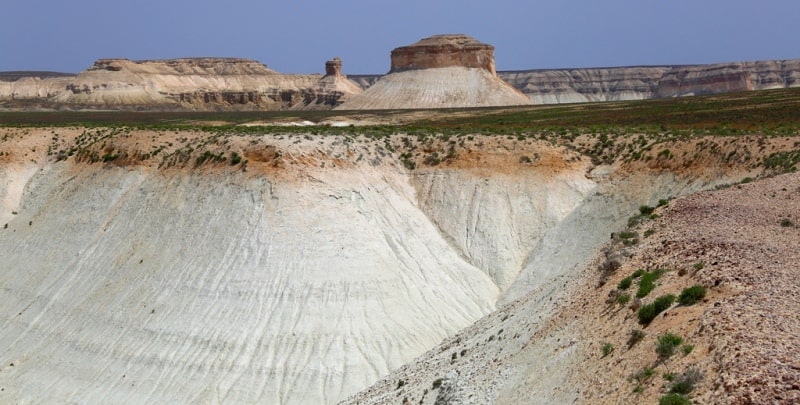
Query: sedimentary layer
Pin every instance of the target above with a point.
(190, 83)
(638, 83)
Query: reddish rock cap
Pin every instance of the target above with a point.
(444, 51)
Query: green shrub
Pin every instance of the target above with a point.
(662, 202)
(649, 312)
(643, 375)
(635, 336)
(623, 299)
(667, 344)
(663, 302)
(648, 282)
(625, 283)
(674, 399)
(691, 295)
(646, 210)
(686, 349)
(787, 223)
(747, 180)
(235, 159)
(637, 273)
(685, 383)
(699, 266)
(607, 349)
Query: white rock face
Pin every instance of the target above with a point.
(131, 286)
(495, 222)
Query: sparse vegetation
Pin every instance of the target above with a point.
(607, 349)
(787, 223)
(685, 383)
(687, 349)
(643, 375)
(646, 210)
(692, 295)
(634, 337)
(625, 283)
(649, 312)
(623, 299)
(648, 282)
(674, 399)
(667, 343)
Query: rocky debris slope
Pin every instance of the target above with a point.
(578, 338)
(443, 71)
(191, 83)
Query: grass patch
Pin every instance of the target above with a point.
(607, 349)
(648, 282)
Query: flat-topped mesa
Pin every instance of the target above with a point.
(444, 51)
(191, 66)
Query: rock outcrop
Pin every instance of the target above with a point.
(443, 71)
(446, 50)
(189, 83)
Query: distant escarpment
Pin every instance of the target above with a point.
(189, 83)
(441, 71)
(645, 82)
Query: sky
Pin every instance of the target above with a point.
(299, 36)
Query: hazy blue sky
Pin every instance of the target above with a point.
(298, 36)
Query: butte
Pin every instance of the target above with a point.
(442, 71)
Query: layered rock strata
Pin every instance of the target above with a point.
(444, 51)
(443, 71)
(190, 83)
(645, 82)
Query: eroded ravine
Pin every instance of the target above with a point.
(304, 278)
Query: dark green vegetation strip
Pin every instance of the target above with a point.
(767, 112)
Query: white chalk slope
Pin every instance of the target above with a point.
(139, 285)
(449, 87)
